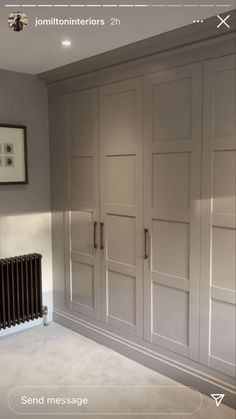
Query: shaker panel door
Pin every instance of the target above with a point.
(172, 161)
(82, 214)
(121, 203)
(217, 327)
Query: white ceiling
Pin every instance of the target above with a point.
(35, 50)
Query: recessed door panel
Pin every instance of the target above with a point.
(224, 182)
(172, 324)
(119, 120)
(81, 119)
(82, 285)
(121, 179)
(121, 205)
(172, 109)
(223, 335)
(224, 110)
(82, 230)
(121, 300)
(82, 180)
(170, 248)
(223, 257)
(171, 180)
(121, 239)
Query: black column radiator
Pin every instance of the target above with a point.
(20, 290)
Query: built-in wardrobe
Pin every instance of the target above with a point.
(143, 200)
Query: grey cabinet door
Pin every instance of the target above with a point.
(82, 215)
(172, 162)
(217, 333)
(121, 204)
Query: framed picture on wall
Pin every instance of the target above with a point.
(13, 155)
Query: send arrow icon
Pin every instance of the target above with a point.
(218, 398)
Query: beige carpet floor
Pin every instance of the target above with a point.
(55, 356)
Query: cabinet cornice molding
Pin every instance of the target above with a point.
(177, 39)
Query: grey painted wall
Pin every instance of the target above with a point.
(25, 213)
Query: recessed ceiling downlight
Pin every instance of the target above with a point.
(66, 43)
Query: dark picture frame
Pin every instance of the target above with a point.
(13, 155)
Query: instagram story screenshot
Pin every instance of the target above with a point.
(117, 209)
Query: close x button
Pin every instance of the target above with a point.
(223, 21)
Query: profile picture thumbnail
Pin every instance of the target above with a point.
(17, 21)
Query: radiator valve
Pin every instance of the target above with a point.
(45, 316)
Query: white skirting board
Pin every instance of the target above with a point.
(206, 384)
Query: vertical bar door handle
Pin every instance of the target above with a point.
(95, 235)
(146, 249)
(101, 236)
